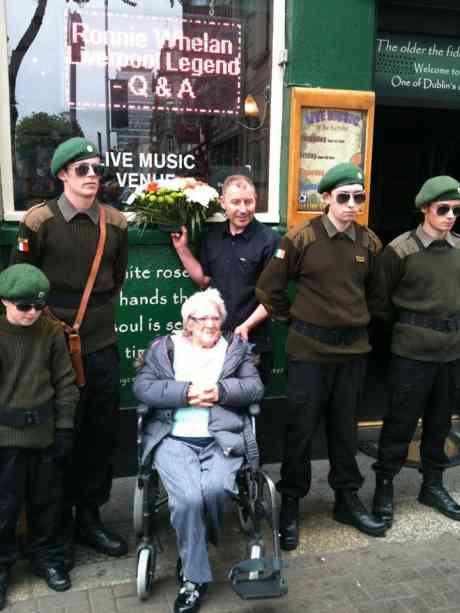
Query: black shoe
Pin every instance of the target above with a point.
(56, 577)
(4, 581)
(349, 509)
(289, 522)
(189, 597)
(433, 494)
(90, 530)
(382, 507)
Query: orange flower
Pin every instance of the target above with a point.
(152, 187)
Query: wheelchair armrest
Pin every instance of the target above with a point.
(142, 409)
(254, 410)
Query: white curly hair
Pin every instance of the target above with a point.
(202, 299)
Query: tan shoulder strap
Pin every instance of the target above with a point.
(93, 272)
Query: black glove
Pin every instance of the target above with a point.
(63, 444)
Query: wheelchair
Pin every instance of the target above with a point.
(258, 576)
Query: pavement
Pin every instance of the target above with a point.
(415, 568)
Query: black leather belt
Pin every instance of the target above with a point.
(68, 300)
(331, 336)
(26, 417)
(433, 323)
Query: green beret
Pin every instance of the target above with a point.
(72, 150)
(341, 174)
(23, 281)
(438, 188)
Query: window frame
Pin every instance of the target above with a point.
(276, 113)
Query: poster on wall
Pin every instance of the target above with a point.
(328, 137)
(328, 127)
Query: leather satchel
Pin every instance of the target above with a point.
(73, 332)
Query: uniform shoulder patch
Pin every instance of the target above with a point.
(115, 218)
(405, 245)
(302, 234)
(371, 241)
(456, 240)
(37, 215)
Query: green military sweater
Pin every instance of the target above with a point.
(62, 242)
(35, 368)
(423, 277)
(339, 285)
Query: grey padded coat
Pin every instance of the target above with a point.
(239, 386)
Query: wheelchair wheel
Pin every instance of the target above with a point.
(138, 510)
(146, 563)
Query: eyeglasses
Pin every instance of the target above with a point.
(214, 319)
(443, 209)
(344, 197)
(28, 305)
(82, 170)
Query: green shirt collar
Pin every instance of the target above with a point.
(426, 239)
(332, 231)
(69, 211)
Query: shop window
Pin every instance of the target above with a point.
(159, 86)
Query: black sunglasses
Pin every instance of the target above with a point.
(82, 170)
(344, 197)
(28, 305)
(443, 209)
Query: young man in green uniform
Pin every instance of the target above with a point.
(38, 397)
(333, 261)
(422, 271)
(61, 237)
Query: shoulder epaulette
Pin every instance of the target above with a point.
(371, 241)
(115, 218)
(456, 240)
(37, 215)
(302, 234)
(405, 245)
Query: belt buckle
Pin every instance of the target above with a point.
(452, 325)
(31, 418)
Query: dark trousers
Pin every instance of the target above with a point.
(30, 477)
(418, 389)
(88, 473)
(317, 390)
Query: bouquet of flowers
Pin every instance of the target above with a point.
(171, 203)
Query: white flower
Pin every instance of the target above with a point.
(202, 194)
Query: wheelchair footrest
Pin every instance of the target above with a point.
(258, 578)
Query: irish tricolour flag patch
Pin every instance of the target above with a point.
(23, 244)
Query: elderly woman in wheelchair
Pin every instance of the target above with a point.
(197, 386)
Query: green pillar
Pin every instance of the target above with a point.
(331, 43)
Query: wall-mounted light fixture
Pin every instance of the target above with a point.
(252, 111)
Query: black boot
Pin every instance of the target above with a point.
(349, 509)
(4, 581)
(433, 494)
(382, 506)
(55, 575)
(90, 530)
(289, 522)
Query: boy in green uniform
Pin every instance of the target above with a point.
(422, 271)
(37, 404)
(333, 261)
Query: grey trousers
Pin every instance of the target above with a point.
(200, 482)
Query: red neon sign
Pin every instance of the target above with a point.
(170, 64)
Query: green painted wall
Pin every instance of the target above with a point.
(331, 43)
